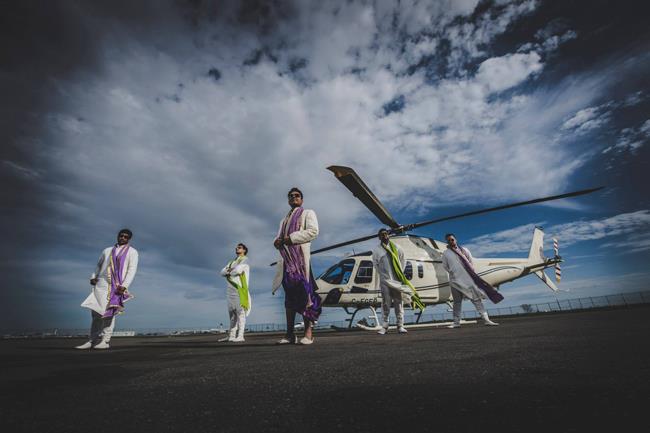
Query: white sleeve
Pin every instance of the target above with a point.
(471, 259)
(445, 262)
(310, 231)
(402, 259)
(98, 268)
(375, 258)
(132, 268)
(279, 236)
(224, 271)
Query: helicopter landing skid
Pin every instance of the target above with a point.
(363, 323)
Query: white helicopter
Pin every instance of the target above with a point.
(353, 282)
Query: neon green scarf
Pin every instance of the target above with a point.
(416, 302)
(242, 287)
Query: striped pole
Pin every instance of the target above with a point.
(558, 271)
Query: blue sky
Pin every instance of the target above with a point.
(188, 122)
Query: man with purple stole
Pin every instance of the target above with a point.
(297, 230)
(113, 275)
(465, 283)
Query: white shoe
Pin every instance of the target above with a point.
(382, 331)
(237, 339)
(402, 330)
(101, 346)
(287, 340)
(87, 345)
(305, 340)
(488, 322)
(454, 326)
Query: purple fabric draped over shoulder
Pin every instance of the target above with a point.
(116, 271)
(299, 288)
(490, 291)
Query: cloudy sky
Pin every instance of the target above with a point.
(188, 121)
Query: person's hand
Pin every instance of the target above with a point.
(120, 290)
(93, 281)
(287, 241)
(277, 243)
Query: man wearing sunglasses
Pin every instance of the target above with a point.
(297, 230)
(113, 275)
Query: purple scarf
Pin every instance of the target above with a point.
(490, 291)
(116, 270)
(295, 276)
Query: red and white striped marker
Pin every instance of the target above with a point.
(558, 271)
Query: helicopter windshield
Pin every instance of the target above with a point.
(339, 273)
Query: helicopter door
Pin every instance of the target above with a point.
(363, 279)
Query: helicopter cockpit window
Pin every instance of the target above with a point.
(420, 270)
(364, 274)
(339, 273)
(408, 271)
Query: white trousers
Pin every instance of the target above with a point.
(391, 297)
(458, 301)
(101, 329)
(237, 321)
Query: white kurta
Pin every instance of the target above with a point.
(393, 292)
(384, 265)
(459, 279)
(303, 237)
(98, 299)
(232, 295)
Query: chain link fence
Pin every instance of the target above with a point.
(607, 301)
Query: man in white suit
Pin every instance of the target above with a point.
(459, 263)
(392, 289)
(237, 274)
(110, 283)
(297, 230)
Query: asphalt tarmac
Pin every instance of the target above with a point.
(568, 372)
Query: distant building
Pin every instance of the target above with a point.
(123, 333)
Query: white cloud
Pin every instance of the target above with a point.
(587, 119)
(196, 164)
(631, 139)
(501, 73)
(518, 239)
(633, 244)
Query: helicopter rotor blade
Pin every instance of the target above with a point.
(402, 229)
(507, 206)
(360, 190)
(342, 244)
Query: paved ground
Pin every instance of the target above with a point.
(568, 372)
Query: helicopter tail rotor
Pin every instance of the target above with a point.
(558, 271)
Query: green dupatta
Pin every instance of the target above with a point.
(242, 286)
(416, 302)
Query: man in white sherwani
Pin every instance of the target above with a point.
(297, 230)
(461, 282)
(237, 274)
(391, 287)
(110, 282)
